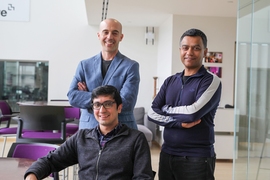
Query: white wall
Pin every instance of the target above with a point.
(134, 46)
(58, 32)
(164, 60)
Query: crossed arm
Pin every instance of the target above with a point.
(191, 124)
(82, 86)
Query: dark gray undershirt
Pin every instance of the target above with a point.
(105, 67)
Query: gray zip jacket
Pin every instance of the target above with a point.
(125, 156)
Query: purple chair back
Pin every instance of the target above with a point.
(32, 151)
(72, 113)
(22, 150)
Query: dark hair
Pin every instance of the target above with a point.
(106, 90)
(195, 32)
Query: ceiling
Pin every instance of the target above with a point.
(154, 12)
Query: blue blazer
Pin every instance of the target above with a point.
(123, 73)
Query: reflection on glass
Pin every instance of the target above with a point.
(252, 137)
(23, 81)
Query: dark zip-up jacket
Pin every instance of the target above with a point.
(125, 156)
(178, 102)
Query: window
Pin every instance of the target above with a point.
(23, 81)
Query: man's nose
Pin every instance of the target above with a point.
(109, 35)
(102, 108)
(190, 51)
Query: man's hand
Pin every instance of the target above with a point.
(31, 177)
(190, 125)
(82, 86)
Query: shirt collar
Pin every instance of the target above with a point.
(112, 132)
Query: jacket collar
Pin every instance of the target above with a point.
(201, 72)
(117, 60)
(124, 130)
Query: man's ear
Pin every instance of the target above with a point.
(122, 36)
(205, 52)
(120, 108)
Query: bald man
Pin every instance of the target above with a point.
(109, 67)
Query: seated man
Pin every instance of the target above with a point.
(109, 151)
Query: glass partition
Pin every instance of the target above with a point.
(23, 81)
(252, 137)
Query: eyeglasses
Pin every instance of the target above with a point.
(106, 105)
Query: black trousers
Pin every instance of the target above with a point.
(186, 168)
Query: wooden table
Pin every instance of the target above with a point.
(14, 168)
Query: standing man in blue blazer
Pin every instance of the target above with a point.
(109, 67)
